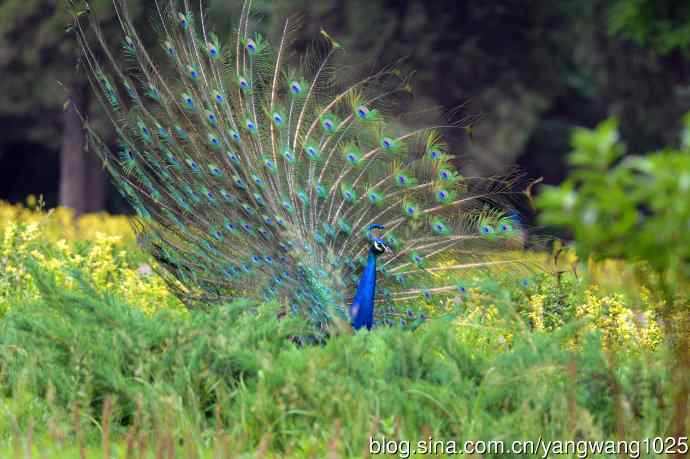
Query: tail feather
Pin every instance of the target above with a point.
(252, 176)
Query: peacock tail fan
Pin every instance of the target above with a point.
(252, 177)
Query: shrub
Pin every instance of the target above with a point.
(635, 209)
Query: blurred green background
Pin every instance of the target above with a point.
(528, 71)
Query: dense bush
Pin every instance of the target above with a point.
(101, 246)
(92, 345)
(635, 209)
(69, 350)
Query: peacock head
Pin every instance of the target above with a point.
(378, 245)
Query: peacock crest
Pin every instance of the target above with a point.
(256, 178)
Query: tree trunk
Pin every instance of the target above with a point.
(95, 182)
(73, 170)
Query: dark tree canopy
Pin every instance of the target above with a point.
(527, 71)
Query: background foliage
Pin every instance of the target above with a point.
(528, 72)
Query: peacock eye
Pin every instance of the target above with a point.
(379, 246)
(183, 20)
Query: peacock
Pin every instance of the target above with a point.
(252, 175)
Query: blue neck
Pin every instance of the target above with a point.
(362, 309)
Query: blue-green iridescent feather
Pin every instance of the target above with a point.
(255, 177)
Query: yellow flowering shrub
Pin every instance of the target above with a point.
(603, 297)
(103, 252)
(60, 223)
(620, 325)
(536, 311)
(103, 246)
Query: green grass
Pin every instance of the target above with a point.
(82, 368)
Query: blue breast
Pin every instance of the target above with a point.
(362, 309)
